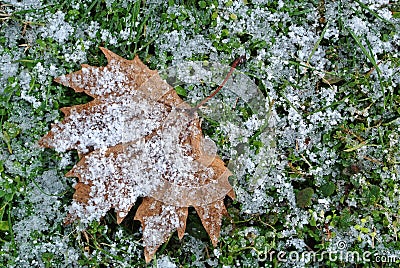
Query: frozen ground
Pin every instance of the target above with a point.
(316, 160)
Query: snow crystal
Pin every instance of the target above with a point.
(107, 36)
(165, 262)
(26, 4)
(8, 68)
(92, 29)
(57, 28)
(12, 34)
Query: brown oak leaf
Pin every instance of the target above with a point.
(138, 138)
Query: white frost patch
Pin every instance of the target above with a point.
(57, 28)
(31, 99)
(165, 262)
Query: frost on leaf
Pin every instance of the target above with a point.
(137, 138)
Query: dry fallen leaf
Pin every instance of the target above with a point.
(138, 138)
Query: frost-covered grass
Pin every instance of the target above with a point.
(329, 72)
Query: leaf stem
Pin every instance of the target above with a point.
(237, 62)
